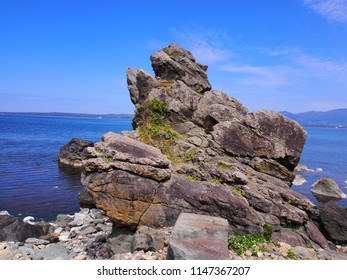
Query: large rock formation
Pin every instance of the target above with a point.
(198, 151)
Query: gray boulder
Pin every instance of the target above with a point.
(74, 152)
(12, 229)
(326, 188)
(333, 222)
(199, 237)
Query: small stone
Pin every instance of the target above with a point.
(36, 241)
(285, 245)
(248, 253)
(58, 230)
(3, 246)
(80, 257)
(260, 254)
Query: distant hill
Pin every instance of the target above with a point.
(333, 118)
(74, 115)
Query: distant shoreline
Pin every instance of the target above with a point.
(74, 115)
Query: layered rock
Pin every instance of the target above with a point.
(199, 237)
(199, 151)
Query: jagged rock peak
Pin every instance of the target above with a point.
(175, 63)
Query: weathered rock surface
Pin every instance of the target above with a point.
(333, 221)
(198, 151)
(326, 188)
(12, 229)
(74, 152)
(199, 237)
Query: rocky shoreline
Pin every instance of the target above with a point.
(90, 235)
(197, 171)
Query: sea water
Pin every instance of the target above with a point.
(32, 183)
(325, 148)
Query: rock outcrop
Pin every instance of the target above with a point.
(197, 150)
(73, 153)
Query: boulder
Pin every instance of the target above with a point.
(12, 229)
(199, 237)
(74, 152)
(263, 134)
(333, 222)
(326, 188)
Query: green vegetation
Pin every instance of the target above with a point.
(222, 165)
(291, 255)
(107, 158)
(217, 181)
(268, 230)
(189, 155)
(251, 242)
(166, 83)
(239, 191)
(153, 130)
(192, 178)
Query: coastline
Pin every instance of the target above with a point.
(85, 235)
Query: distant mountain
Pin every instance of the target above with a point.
(333, 118)
(74, 115)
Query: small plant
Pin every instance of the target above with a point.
(268, 230)
(153, 130)
(190, 154)
(217, 181)
(223, 165)
(166, 83)
(287, 224)
(240, 191)
(291, 255)
(107, 158)
(192, 178)
(242, 243)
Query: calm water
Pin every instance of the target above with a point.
(32, 183)
(325, 148)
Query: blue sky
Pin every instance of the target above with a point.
(71, 56)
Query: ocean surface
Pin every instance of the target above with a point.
(32, 183)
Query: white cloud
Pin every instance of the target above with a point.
(335, 10)
(206, 46)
